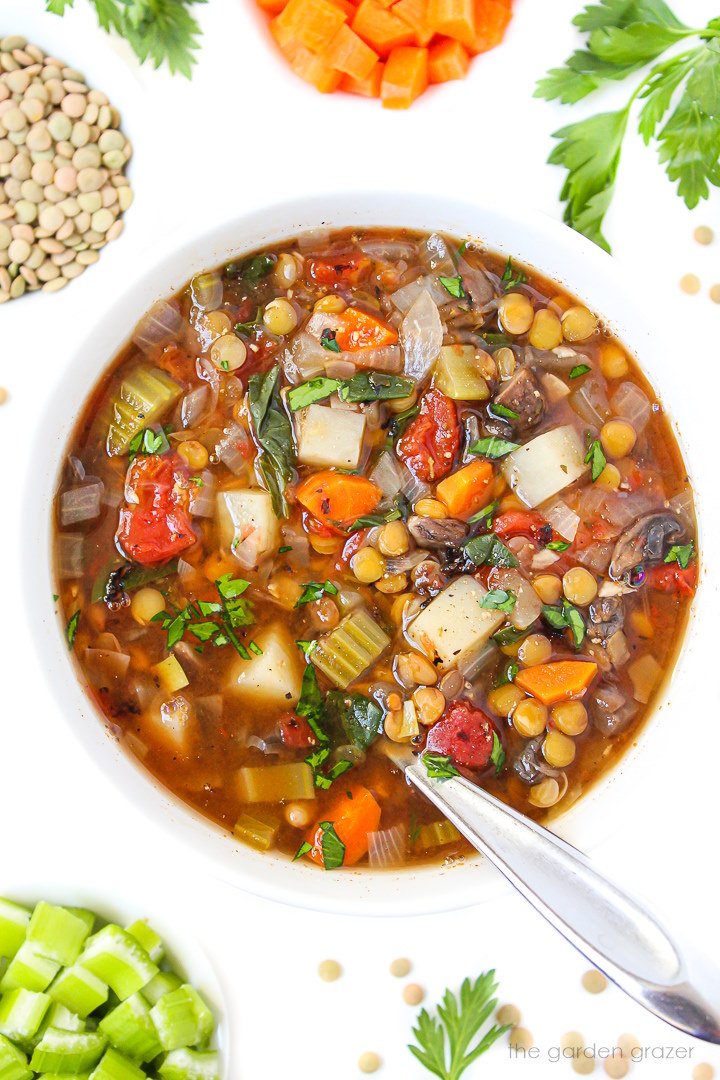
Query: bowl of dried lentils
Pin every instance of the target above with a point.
(63, 188)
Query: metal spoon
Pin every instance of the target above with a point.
(613, 930)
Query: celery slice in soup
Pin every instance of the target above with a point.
(129, 1028)
(145, 394)
(456, 374)
(21, 1014)
(275, 783)
(258, 830)
(436, 834)
(355, 643)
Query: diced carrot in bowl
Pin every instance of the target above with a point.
(349, 54)
(454, 18)
(353, 816)
(405, 78)
(313, 70)
(382, 30)
(369, 87)
(313, 22)
(447, 60)
(272, 7)
(491, 20)
(415, 14)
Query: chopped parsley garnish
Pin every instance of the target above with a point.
(248, 327)
(56, 597)
(299, 397)
(485, 515)
(311, 704)
(463, 248)
(210, 621)
(502, 410)
(557, 545)
(328, 341)
(366, 386)
(71, 629)
(578, 370)
(197, 481)
(595, 457)
(454, 286)
(512, 277)
(680, 555)
(302, 850)
(498, 600)
(252, 269)
(286, 547)
(321, 779)
(439, 766)
(509, 635)
(497, 754)
(399, 509)
(315, 590)
(493, 448)
(333, 849)
(307, 647)
(566, 617)
(507, 673)
(146, 442)
(273, 431)
(255, 648)
(489, 550)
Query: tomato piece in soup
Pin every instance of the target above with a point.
(465, 734)
(431, 442)
(672, 578)
(156, 526)
(342, 270)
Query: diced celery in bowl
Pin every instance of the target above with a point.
(82, 998)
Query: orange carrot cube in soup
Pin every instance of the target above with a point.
(454, 18)
(447, 60)
(353, 816)
(405, 77)
(491, 20)
(369, 87)
(415, 14)
(381, 29)
(284, 35)
(348, 53)
(313, 22)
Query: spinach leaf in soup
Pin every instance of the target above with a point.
(358, 716)
(273, 432)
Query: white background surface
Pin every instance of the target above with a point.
(243, 134)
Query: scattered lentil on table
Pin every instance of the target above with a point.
(509, 1014)
(329, 970)
(584, 1064)
(715, 293)
(62, 159)
(400, 968)
(521, 1039)
(703, 1071)
(369, 1062)
(690, 283)
(572, 1040)
(413, 994)
(704, 234)
(628, 1044)
(616, 1066)
(594, 982)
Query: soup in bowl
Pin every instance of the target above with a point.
(371, 484)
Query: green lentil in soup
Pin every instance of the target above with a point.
(373, 486)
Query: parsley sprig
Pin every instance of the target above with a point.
(444, 1042)
(213, 621)
(156, 30)
(680, 105)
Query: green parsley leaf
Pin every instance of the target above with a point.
(512, 277)
(358, 716)
(557, 545)
(302, 850)
(274, 433)
(496, 339)
(555, 617)
(333, 849)
(311, 704)
(299, 397)
(307, 647)
(680, 555)
(498, 600)
(509, 635)
(400, 422)
(489, 550)
(71, 629)
(147, 442)
(203, 631)
(502, 410)
(286, 547)
(156, 30)
(454, 286)
(497, 754)
(253, 269)
(460, 1021)
(578, 370)
(56, 597)
(367, 386)
(246, 328)
(315, 590)
(486, 514)
(197, 481)
(493, 448)
(328, 341)
(399, 509)
(595, 457)
(439, 766)
(575, 622)
(255, 648)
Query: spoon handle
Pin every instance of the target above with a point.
(615, 932)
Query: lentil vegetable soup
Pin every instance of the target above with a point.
(365, 487)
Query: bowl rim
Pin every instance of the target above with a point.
(410, 891)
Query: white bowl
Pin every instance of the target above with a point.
(184, 953)
(556, 251)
